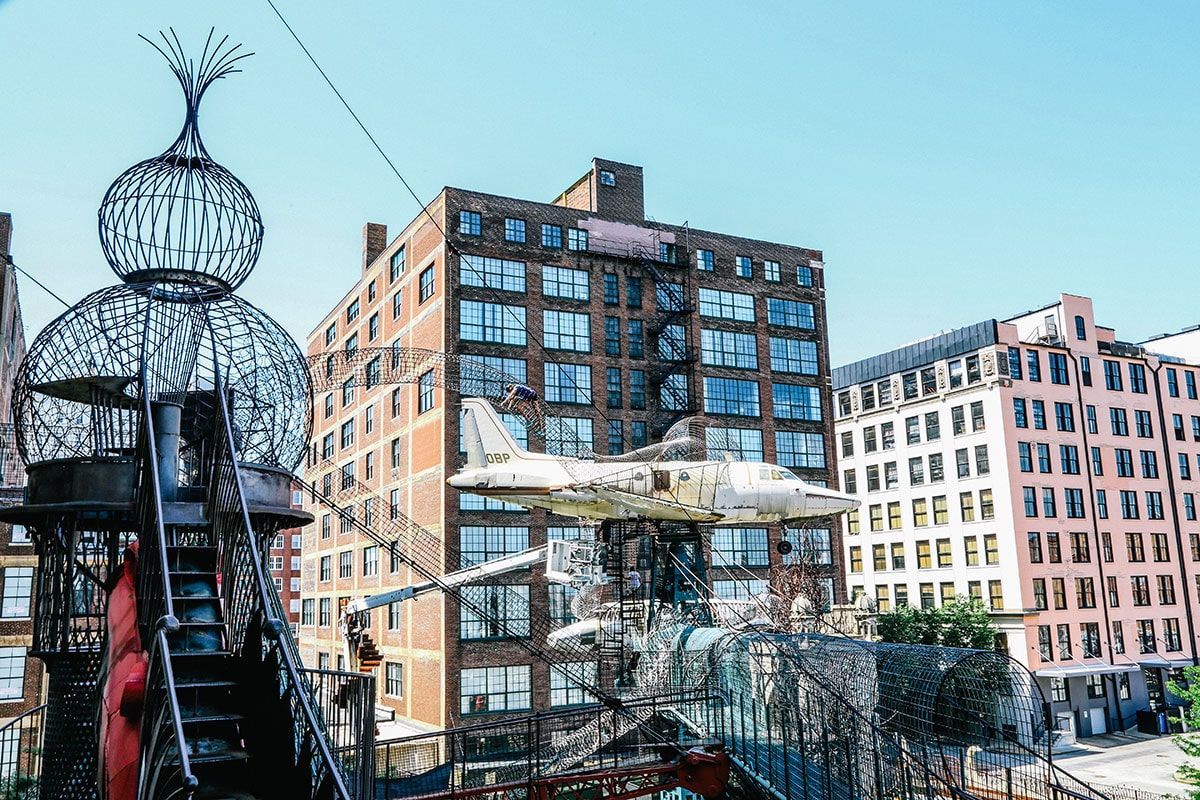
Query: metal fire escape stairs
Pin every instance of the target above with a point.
(228, 714)
(673, 356)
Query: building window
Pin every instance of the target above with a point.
(612, 289)
(478, 543)
(1112, 376)
(730, 396)
(571, 284)
(565, 330)
(705, 260)
(740, 444)
(1080, 329)
(12, 672)
(739, 547)
(790, 313)
(569, 383)
(744, 267)
(488, 689)
(324, 615)
(491, 273)
(568, 436)
(397, 264)
(577, 239)
(496, 323)
(493, 612)
(552, 236)
(796, 449)
(1058, 369)
(394, 679)
(1035, 365)
(514, 230)
(793, 355)
(425, 392)
(771, 270)
(728, 349)
(568, 682)
(726, 305)
(800, 402)
(18, 586)
(470, 223)
(427, 283)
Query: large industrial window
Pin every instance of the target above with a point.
(577, 239)
(728, 349)
(740, 589)
(726, 305)
(569, 436)
(742, 444)
(479, 543)
(797, 449)
(564, 330)
(560, 605)
(813, 546)
(567, 683)
(563, 282)
(474, 502)
(489, 689)
(493, 612)
(730, 396)
(796, 402)
(514, 230)
(568, 383)
(739, 547)
(497, 323)
(493, 379)
(790, 313)
(793, 355)
(492, 273)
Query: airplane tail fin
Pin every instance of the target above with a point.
(487, 440)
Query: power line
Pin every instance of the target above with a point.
(450, 246)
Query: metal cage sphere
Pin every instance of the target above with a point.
(79, 389)
(180, 216)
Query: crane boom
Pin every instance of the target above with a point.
(478, 572)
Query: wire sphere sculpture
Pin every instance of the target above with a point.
(79, 389)
(181, 216)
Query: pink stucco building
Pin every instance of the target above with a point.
(1047, 467)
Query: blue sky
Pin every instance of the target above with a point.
(954, 161)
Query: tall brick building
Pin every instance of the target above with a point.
(624, 326)
(20, 676)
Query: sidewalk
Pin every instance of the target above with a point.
(1135, 760)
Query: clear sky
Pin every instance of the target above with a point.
(954, 161)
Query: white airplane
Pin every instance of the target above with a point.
(599, 489)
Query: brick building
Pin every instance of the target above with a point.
(1043, 465)
(283, 565)
(624, 326)
(20, 676)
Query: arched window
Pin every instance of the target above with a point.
(1080, 330)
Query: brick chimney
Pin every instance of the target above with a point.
(5, 232)
(374, 242)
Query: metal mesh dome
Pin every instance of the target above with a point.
(79, 388)
(181, 216)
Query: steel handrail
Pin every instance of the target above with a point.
(274, 625)
(168, 619)
(167, 622)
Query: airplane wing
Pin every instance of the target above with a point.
(652, 507)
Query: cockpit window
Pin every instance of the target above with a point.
(787, 476)
(775, 474)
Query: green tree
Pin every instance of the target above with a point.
(1189, 743)
(963, 623)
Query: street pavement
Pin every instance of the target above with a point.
(1137, 761)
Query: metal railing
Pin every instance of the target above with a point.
(21, 755)
(346, 704)
(512, 753)
(255, 621)
(167, 772)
